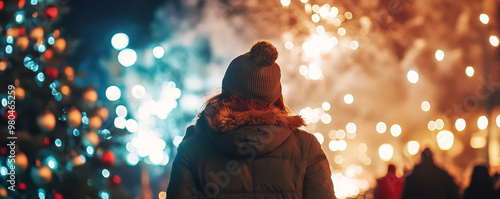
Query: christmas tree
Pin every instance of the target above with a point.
(55, 136)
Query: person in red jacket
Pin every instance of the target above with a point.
(246, 144)
(390, 186)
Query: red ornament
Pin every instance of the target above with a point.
(3, 150)
(116, 180)
(52, 72)
(46, 142)
(48, 54)
(21, 31)
(108, 158)
(21, 3)
(58, 196)
(22, 186)
(51, 12)
(1, 5)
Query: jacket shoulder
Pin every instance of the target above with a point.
(304, 139)
(303, 136)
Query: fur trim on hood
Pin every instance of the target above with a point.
(228, 116)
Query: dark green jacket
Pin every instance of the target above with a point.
(246, 155)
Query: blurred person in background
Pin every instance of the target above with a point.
(481, 184)
(390, 186)
(429, 181)
(246, 144)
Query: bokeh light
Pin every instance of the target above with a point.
(460, 124)
(354, 45)
(439, 55)
(484, 18)
(413, 147)
(158, 52)
(127, 57)
(494, 40)
(319, 137)
(348, 99)
(439, 124)
(477, 142)
(132, 125)
(121, 111)
(326, 106)
(431, 125)
(412, 76)
(348, 15)
(285, 2)
(120, 122)
(326, 118)
(105, 173)
(119, 41)
(138, 91)
(426, 106)
(498, 120)
(113, 93)
(445, 140)
(341, 31)
(315, 18)
(385, 152)
(469, 71)
(396, 130)
(482, 122)
(350, 127)
(381, 127)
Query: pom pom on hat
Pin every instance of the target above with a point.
(254, 74)
(264, 53)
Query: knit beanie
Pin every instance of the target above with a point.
(255, 74)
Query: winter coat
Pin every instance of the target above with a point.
(389, 187)
(249, 154)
